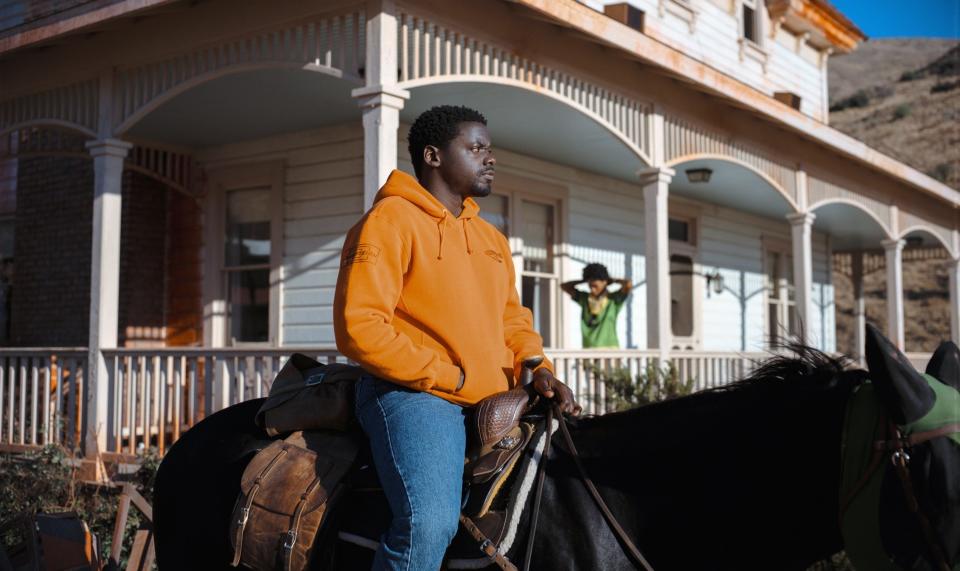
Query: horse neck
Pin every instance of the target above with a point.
(755, 467)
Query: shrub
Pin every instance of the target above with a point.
(45, 481)
(653, 384)
(858, 99)
(941, 172)
(901, 111)
(911, 75)
(942, 87)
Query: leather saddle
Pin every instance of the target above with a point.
(499, 430)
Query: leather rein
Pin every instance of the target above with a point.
(898, 446)
(629, 548)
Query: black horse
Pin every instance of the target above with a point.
(742, 477)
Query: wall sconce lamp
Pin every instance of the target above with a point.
(699, 175)
(714, 280)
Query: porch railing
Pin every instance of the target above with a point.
(157, 394)
(41, 396)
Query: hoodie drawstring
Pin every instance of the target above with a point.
(440, 225)
(466, 235)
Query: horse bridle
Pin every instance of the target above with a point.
(629, 548)
(895, 446)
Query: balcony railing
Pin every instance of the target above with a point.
(156, 394)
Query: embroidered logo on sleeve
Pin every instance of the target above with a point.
(361, 253)
(495, 255)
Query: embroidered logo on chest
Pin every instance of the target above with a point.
(495, 255)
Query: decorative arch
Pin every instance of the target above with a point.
(71, 107)
(431, 54)
(828, 201)
(789, 196)
(683, 140)
(617, 133)
(931, 231)
(331, 44)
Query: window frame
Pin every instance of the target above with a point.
(514, 202)
(216, 329)
(690, 249)
(782, 301)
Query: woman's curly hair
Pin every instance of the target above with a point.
(596, 272)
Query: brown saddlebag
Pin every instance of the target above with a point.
(286, 491)
(308, 395)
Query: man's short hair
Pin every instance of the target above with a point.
(596, 272)
(438, 126)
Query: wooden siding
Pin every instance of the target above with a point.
(714, 38)
(601, 221)
(322, 199)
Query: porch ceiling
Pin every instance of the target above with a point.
(249, 105)
(849, 227)
(535, 125)
(732, 186)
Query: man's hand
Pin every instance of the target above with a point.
(550, 387)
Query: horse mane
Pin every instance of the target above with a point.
(795, 363)
(793, 369)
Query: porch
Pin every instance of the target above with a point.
(268, 141)
(157, 394)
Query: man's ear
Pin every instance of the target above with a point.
(431, 156)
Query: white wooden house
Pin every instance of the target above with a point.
(229, 145)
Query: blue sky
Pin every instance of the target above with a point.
(904, 19)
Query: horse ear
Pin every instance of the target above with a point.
(945, 364)
(904, 392)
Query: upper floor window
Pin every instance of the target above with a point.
(750, 17)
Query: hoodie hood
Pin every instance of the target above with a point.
(405, 186)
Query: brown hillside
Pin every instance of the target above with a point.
(901, 97)
(914, 117)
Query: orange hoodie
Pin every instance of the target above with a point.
(423, 294)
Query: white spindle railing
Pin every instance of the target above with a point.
(41, 396)
(157, 394)
(705, 369)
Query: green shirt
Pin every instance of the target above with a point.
(600, 331)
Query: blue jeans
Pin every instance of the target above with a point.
(418, 443)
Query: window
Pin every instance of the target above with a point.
(533, 236)
(539, 274)
(681, 295)
(781, 304)
(750, 15)
(686, 280)
(243, 271)
(246, 265)
(680, 230)
(494, 209)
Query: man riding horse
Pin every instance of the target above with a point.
(426, 303)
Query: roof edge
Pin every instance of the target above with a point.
(60, 27)
(642, 47)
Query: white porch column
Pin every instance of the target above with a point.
(893, 250)
(380, 99)
(801, 225)
(859, 308)
(656, 183)
(108, 155)
(954, 271)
